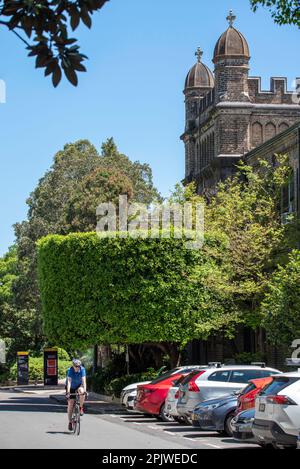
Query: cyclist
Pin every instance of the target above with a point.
(76, 381)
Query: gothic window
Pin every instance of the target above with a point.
(270, 131)
(283, 126)
(257, 134)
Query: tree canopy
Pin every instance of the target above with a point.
(65, 201)
(158, 291)
(283, 11)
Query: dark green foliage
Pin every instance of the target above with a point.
(46, 24)
(104, 381)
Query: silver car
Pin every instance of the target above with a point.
(214, 383)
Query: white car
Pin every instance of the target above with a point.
(213, 383)
(127, 400)
(277, 412)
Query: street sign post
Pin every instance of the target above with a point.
(22, 368)
(50, 367)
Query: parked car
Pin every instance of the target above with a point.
(173, 395)
(215, 383)
(277, 412)
(127, 398)
(128, 390)
(242, 425)
(215, 414)
(246, 400)
(151, 397)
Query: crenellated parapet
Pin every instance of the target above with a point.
(277, 94)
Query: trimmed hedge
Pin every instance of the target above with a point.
(118, 290)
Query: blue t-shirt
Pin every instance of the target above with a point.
(76, 376)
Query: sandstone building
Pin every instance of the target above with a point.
(229, 116)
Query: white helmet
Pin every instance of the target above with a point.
(76, 362)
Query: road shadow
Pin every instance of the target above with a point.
(30, 404)
(60, 433)
(202, 435)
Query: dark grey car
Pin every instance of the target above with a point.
(216, 414)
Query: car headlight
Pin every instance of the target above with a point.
(211, 407)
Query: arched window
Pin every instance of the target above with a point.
(283, 126)
(270, 131)
(257, 134)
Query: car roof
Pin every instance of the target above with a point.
(242, 367)
(293, 374)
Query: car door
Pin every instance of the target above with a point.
(215, 386)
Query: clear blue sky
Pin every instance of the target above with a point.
(140, 52)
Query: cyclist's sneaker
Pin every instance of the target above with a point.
(70, 426)
(81, 411)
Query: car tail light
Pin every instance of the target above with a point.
(192, 385)
(280, 400)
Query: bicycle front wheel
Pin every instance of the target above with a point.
(75, 416)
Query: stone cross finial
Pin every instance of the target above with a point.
(231, 18)
(198, 54)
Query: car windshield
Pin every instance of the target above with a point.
(188, 378)
(164, 376)
(277, 385)
(248, 389)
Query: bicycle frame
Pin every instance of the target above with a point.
(76, 414)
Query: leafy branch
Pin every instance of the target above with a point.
(46, 25)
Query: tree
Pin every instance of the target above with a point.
(46, 24)
(283, 11)
(65, 201)
(18, 328)
(281, 305)
(140, 174)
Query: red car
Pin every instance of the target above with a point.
(247, 399)
(151, 397)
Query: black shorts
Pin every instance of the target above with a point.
(73, 391)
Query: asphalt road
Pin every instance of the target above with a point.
(37, 422)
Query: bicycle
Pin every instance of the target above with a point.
(76, 414)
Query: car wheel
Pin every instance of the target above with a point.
(188, 420)
(180, 420)
(228, 428)
(164, 416)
